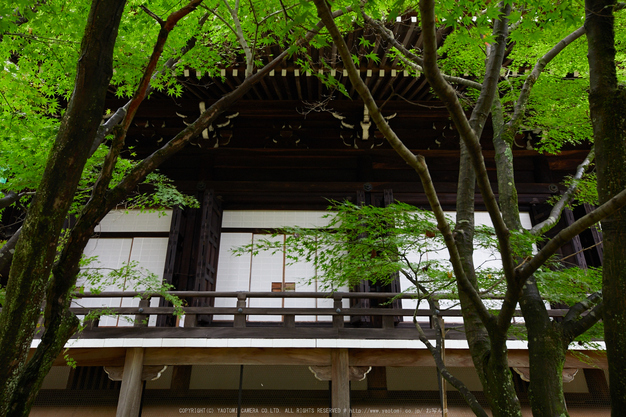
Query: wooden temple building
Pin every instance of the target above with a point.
(255, 339)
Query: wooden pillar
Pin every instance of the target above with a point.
(596, 383)
(130, 392)
(181, 377)
(340, 383)
(377, 381)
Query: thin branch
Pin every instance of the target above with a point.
(8, 103)
(120, 113)
(410, 58)
(520, 105)
(284, 10)
(256, 30)
(102, 183)
(449, 78)
(40, 38)
(214, 12)
(565, 235)
(241, 38)
(467, 395)
(273, 14)
(417, 162)
(568, 195)
(580, 251)
(160, 21)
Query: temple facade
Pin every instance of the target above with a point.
(258, 336)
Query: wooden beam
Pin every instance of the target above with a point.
(149, 373)
(340, 382)
(237, 356)
(303, 356)
(130, 393)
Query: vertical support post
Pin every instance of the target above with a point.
(388, 322)
(377, 381)
(340, 374)
(240, 319)
(337, 305)
(130, 393)
(181, 377)
(191, 320)
(289, 320)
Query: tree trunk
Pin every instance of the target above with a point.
(546, 351)
(493, 370)
(545, 348)
(37, 246)
(608, 106)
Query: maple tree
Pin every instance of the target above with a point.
(48, 146)
(57, 145)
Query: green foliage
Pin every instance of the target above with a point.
(568, 285)
(586, 190)
(129, 277)
(363, 242)
(165, 195)
(371, 243)
(559, 109)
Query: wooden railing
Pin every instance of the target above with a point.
(241, 311)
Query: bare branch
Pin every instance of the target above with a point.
(449, 78)
(284, 10)
(568, 195)
(214, 12)
(580, 251)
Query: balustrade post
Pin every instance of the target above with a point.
(92, 324)
(337, 305)
(141, 320)
(388, 322)
(240, 318)
(289, 320)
